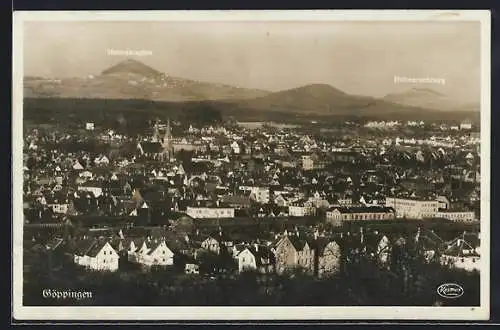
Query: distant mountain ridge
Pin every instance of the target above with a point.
(323, 99)
(430, 99)
(134, 80)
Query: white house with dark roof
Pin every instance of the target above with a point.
(97, 254)
(283, 199)
(57, 204)
(328, 256)
(77, 166)
(462, 255)
(260, 194)
(86, 174)
(211, 244)
(256, 257)
(292, 251)
(158, 254)
(151, 253)
(101, 160)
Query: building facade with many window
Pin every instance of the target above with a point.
(413, 208)
(334, 215)
(210, 212)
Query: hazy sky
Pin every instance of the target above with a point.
(356, 57)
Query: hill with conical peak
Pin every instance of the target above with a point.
(132, 79)
(131, 66)
(430, 99)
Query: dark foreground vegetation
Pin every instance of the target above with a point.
(361, 283)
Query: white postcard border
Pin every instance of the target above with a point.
(250, 313)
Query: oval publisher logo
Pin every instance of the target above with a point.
(450, 290)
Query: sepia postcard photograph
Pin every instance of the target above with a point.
(251, 165)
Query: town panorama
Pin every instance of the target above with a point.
(143, 189)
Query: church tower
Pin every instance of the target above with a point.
(156, 133)
(167, 143)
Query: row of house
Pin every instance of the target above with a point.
(103, 254)
(229, 206)
(320, 254)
